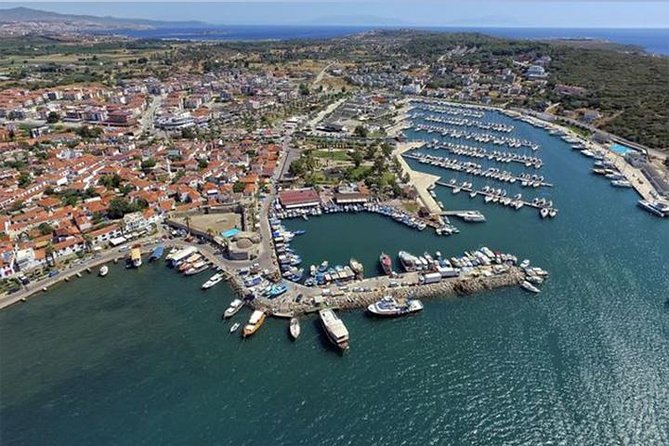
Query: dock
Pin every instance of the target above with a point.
(483, 194)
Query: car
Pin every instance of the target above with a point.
(53, 273)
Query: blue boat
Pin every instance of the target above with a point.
(299, 232)
(277, 290)
(157, 253)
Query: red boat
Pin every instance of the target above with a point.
(386, 263)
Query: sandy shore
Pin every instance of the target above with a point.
(422, 181)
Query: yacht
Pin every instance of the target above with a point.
(294, 327)
(391, 307)
(255, 322)
(213, 280)
(234, 307)
(334, 328)
(527, 286)
(621, 183)
(655, 207)
(544, 212)
(408, 261)
(357, 267)
(104, 270)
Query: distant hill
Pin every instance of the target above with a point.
(23, 14)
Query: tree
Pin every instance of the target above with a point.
(111, 181)
(45, 228)
(188, 133)
(25, 179)
(304, 89)
(187, 220)
(49, 254)
(148, 164)
(202, 163)
(238, 187)
(118, 207)
(87, 132)
(357, 158)
(361, 131)
(52, 117)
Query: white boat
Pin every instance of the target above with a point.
(527, 286)
(621, 183)
(234, 307)
(334, 328)
(255, 322)
(391, 307)
(234, 327)
(544, 212)
(294, 327)
(213, 280)
(104, 270)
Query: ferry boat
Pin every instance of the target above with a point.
(234, 327)
(233, 309)
(213, 280)
(357, 267)
(527, 286)
(157, 253)
(334, 328)
(391, 307)
(386, 263)
(294, 327)
(104, 270)
(655, 208)
(255, 322)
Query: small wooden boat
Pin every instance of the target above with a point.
(294, 328)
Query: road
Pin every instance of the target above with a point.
(146, 121)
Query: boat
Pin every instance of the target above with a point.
(407, 261)
(388, 306)
(234, 327)
(527, 286)
(544, 212)
(135, 257)
(357, 267)
(294, 327)
(213, 280)
(655, 207)
(323, 266)
(157, 253)
(277, 290)
(334, 328)
(255, 322)
(621, 183)
(104, 270)
(386, 263)
(234, 307)
(197, 268)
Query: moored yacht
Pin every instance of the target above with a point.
(234, 307)
(294, 327)
(104, 270)
(213, 280)
(392, 307)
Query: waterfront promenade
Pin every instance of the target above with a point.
(421, 181)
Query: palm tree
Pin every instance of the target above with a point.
(210, 233)
(88, 242)
(187, 220)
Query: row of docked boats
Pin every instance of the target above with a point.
(447, 108)
(463, 122)
(324, 273)
(534, 276)
(289, 261)
(188, 261)
(485, 138)
(609, 171)
(482, 153)
(396, 214)
(474, 169)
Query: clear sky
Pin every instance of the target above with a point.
(495, 13)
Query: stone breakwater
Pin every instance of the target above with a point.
(460, 286)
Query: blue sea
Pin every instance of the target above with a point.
(655, 41)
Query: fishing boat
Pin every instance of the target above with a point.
(386, 263)
(234, 307)
(323, 266)
(357, 267)
(334, 328)
(388, 306)
(104, 270)
(255, 322)
(234, 327)
(213, 280)
(527, 286)
(157, 253)
(294, 327)
(197, 268)
(135, 258)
